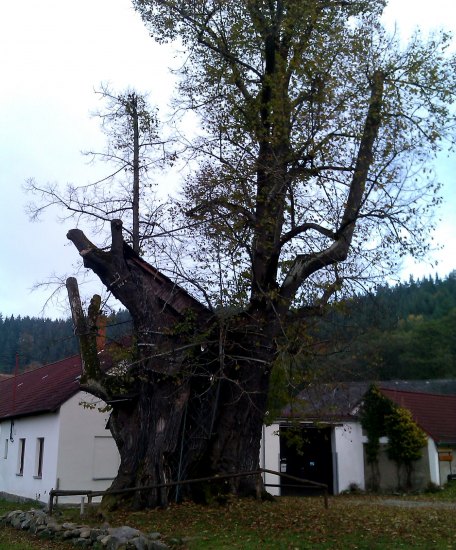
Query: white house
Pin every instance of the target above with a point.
(52, 435)
(320, 437)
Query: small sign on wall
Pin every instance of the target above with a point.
(445, 454)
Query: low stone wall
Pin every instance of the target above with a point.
(30, 502)
(82, 536)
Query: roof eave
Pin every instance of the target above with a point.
(13, 416)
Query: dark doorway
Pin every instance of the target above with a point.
(305, 453)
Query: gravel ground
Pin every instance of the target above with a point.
(401, 503)
(417, 503)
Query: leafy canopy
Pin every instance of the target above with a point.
(289, 155)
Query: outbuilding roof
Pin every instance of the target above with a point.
(327, 402)
(41, 390)
(433, 411)
(435, 414)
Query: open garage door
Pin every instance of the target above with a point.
(305, 453)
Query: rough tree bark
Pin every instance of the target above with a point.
(168, 374)
(149, 395)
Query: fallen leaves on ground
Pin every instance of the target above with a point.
(291, 523)
(303, 523)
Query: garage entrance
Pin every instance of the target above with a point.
(305, 452)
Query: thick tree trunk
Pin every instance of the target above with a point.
(169, 433)
(237, 407)
(149, 387)
(147, 430)
(185, 403)
(235, 446)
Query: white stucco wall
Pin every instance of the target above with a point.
(348, 458)
(88, 457)
(270, 456)
(433, 455)
(29, 428)
(79, 452)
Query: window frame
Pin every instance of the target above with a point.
(21, 457)
(39, 455)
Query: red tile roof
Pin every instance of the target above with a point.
(435, 414)
(41, 390)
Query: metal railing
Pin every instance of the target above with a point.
(90, 494)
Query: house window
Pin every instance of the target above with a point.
(20, 457)
(5, 449)
(39, 457)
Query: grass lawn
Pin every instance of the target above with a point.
(351, 522)
(303, 523)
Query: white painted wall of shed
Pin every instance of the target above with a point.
(79, 427)
(348, 451)
(30, 428)
(434, 469)
(270, 456)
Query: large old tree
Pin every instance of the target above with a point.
(316, 136)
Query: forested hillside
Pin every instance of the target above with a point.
(403, 332)
(407, 331)
(41, 341)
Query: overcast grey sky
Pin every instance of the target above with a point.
(53, 53)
